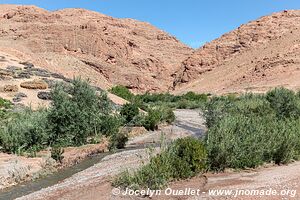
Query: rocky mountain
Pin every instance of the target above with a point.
(104, 49)
(259, 55)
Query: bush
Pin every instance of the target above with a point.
(251, 130)
(182, 159)
(109, 124)
(129, 112)
(241, 142)
(26, 131)
(284, 102)
(57, 153)
(118, 141)
(216, 109)
(5, 104)
(189, 156)
(76, 115)
(122, 91)
(152, 119)
(191, 96)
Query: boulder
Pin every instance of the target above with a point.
(10, 88)
(44, 95)
(35, 84)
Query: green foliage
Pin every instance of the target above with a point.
(189, 100)
(57, 153)
(216, 109)
(129, 111)
(284, 102)
(110, 124)
(152, 119)
(5, 104)
(181, 160)
(189, 156)
(191, 96)
(122, 91)
(25, 132)
(76, 115)
(118, 141)
(251, 130)
(167, 114)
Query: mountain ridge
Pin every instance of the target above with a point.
(257, 56)
(258, 34)
(120, 51)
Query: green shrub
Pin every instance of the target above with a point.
(26, 131)
(57, 153)
(189, 156)
(284, 102)
(167, 114)
(122, 91)
(129, 111)
(182, 159)
(152, 119)
(76, 115)
(216, 109)
(242, 141)
(110, 124)
(191, 96)
(118, 141)
(5, 104)
(251, 130)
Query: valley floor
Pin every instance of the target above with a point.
(95, 183)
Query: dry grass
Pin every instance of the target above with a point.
(10, 88)
(35, 84)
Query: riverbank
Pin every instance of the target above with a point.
(102, 173)
(18, 169)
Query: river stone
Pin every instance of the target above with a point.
(22, 75)
(16, 99)
(44, 95)
(27, 65)
(13, 68)
(51, 83)
(38, 72)
(19, 97)
(4, 72)
(10, 88)
(58, 76)
(35, 84)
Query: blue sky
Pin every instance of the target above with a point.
(194, 22)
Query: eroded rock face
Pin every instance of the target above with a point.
(265, 42)
(118, 51)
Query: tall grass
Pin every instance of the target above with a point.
(189, 100)
(253, 129)
(183, 159)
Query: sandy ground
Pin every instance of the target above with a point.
(14, 169)
(17, 169)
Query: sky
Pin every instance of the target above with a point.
(194, 22)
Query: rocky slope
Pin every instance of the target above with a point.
(104, 49)
(257, 56)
